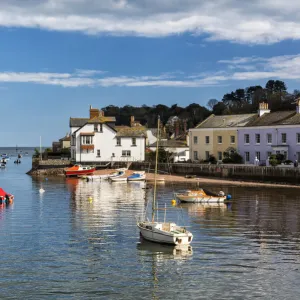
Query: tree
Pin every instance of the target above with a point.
(219, 109)
(211, 103)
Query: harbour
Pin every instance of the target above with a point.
(79, 240)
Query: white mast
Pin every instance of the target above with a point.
(41, 157)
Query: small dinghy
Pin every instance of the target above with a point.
(118, 176)
(6, 198)
(202, 196)
(137, 176)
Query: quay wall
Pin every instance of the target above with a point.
(241, 172)
(50, 167)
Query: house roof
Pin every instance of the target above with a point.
(170, 144)
(125, 131)
(78, 122)
(227, 121)
(276, 118)
(65, 139)
(163, 135)
(102, 119)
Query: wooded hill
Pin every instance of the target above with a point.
(240, 101)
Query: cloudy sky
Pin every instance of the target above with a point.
(60, 56)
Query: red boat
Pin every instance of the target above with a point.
(5, 198)
(77, 170)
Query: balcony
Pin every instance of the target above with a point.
(87, 147)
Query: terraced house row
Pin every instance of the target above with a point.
(251, 135)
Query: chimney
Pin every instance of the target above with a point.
(132, 121)
(263, 109)
(94, 112)
(184, 126)
(176, 129)
(298, 106)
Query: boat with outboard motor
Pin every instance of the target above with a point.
(77, 170)
(202, 196)
(5, 156)
(6, 198)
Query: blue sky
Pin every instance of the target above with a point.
(60, 56)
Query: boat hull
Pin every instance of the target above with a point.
(118, 179)
(80, 172)
(204, 199)
(159, 236)
(137, 179)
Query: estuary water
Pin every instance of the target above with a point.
(79, 240)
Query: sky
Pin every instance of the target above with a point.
(58, 57)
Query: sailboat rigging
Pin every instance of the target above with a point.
(162, 232)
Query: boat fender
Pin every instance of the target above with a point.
(173, 202)
(228, 197)
(221, 194)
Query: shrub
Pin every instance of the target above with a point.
(212, 159)
(232, 158)
(227, 160)
(288, 162)
(273, 162)
(280, 157)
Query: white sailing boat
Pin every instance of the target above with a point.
(162, 232)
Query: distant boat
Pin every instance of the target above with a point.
(5, 156)
(26, 153)
(79, 170)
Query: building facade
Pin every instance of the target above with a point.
(98, 139)
(216, 135)
(270, 133)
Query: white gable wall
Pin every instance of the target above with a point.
(106, 142)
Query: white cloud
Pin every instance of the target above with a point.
(255, 21)
(252, 69)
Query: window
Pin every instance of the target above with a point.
(232, 139)
(269, 138)
(257, 154)
(101, 128)
(247, 139)
(87, 140)
(285, 155)
(277, 152)
(73, 154)
(298, 138)
(269, 154)
(207, 140)
(195, 140)
(257, 138)
(98, 153)
(126, 153)
(118, 141)
(112, 155)
(247, 156)
(195, 155)
(206, 155)
(95, 127)
(219, 139)
(73, 140)
(219, 155)
(283, 138)
(298, 156)
(133, 141)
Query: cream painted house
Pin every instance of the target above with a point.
(216, 135)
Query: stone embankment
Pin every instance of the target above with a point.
(50, 167)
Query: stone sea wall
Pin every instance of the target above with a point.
(240, 172)
(50, 167)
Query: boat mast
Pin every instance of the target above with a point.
(155, 172)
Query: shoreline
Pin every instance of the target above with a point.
(172, 178)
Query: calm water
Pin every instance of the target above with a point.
(62, 246)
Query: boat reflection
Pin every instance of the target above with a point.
(200, 209)
(162, 251)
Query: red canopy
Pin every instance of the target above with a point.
(3, 193)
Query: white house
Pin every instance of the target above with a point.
(179, 147)
(98, 139)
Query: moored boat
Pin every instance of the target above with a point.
(78, 170)
(5, 156)
(6, 198)
(202, 196)
(162, 232)
(137, 176)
